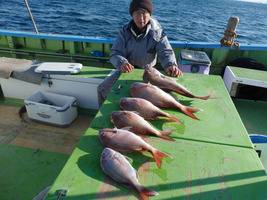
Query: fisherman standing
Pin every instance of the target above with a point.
(141, 41)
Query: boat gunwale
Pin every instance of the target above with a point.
(175, 44)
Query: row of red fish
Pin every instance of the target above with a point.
(145, 104)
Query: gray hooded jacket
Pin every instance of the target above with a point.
(142, 50)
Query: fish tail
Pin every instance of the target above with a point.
(190, 111)
(158, 156)
(165, 135)
(145, 193)
(173, 118)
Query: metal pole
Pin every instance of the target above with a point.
(29, 10)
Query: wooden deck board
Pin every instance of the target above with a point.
(35, 135)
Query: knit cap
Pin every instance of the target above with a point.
(141, 4)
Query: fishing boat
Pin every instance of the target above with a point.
(213, 157)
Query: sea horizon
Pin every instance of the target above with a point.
(197, 20)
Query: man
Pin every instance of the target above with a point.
(141, 41)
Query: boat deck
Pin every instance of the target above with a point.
(213, 158)
(253, 115)
(28, 133)
(32, 154)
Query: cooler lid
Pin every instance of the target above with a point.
(59, 68)
(195, 56)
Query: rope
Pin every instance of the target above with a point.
(31, 16)
(229, 39)
(230, 34)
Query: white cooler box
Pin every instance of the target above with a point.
(51, 108)
(194, 61)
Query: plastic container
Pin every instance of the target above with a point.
(194, 62)
(51, 108)
(59, 68)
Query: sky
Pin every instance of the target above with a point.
(256, 1)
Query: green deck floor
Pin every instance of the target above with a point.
(213, 158)
(253, 115)
(25, 172)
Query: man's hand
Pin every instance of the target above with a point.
(127, 67)
(173, 71)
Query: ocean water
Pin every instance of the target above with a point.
(183, 20)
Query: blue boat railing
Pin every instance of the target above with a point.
(175, 44)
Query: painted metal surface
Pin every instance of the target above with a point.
(233, 76)
(77, 38)
(207, 163)
(250, 74)
(219, 121)
(95, 51)
(253, 115)
(25, 172)
(198, 170)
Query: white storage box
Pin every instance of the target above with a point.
(194, 62)
(51, 108)
(59, 68)
(235, 76)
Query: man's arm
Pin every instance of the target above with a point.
(117, 56)
(167, 57)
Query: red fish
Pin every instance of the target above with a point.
(145, 109)
(156, 78)
(137, 124)
(160, 98)
(126, 141)
(116, 166)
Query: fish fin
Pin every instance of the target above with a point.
(165, 135)
(115, 130)
(140, 149)
(127, 128)
(190, 111)
(158, 156)
(136, 113)
(128, 158)
(145, 193)
(203, 97)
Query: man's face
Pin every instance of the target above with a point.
(141, 17)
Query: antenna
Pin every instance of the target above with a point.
(31, 16)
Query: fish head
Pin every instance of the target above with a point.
(124, 103)
(118, 116)
(151, 74)
(106, 134)
(136, 87)
(107, 154)
(128, 103)
(114, 115)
